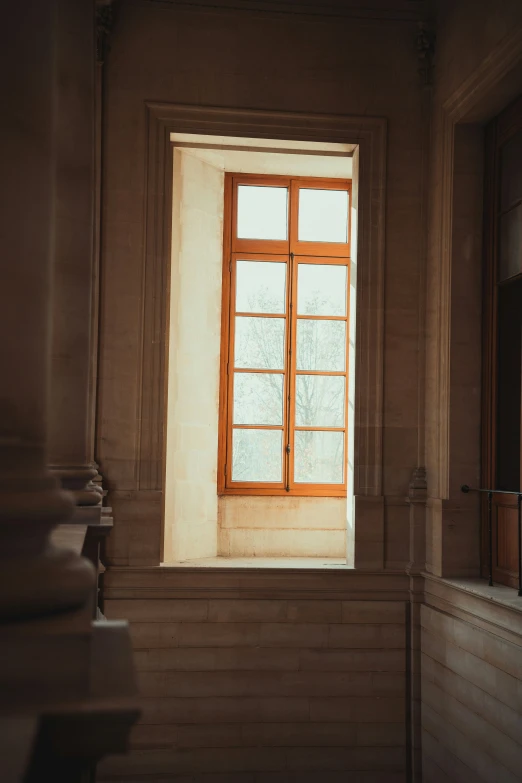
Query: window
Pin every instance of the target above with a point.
(502, 357)
(284, 385)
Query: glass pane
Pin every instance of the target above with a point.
(260, 343)
(319, 401)
(323, 215)
(321, 345)
(258, 398)
(260, 287)
(319, 457)
(510, 253)
(257, 455)
(262, 212)
(321, 289)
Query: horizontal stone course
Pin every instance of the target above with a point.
(307, 635)
(154, 762)
(190, 685)
(268, 659)
(319, 684)
(348, 709)
(439, 765)
(288, 776)
(491, 648)
(471, 700)
(483, 766)
(218, 659)
(224, 709)
(353, 660)
(247, 610)
(495, 712)
(489, 739)
(268, 735)
(498, 684)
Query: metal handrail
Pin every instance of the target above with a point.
(490, 493)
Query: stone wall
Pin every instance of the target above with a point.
(471, 689)
(477, 71)
(182, 55)
(191, 503)
(260, 677)
(470, 634)
(470, 683)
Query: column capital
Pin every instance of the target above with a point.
(105, 13)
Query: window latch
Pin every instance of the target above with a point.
(288, 448)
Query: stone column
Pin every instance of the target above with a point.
(74, 333)
(35, 579)
(63, 679)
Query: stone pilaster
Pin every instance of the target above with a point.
(75, 277)
(417, 497)
(63, 700)
(35, 579)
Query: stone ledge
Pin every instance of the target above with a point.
(495, 609)
(228, 582)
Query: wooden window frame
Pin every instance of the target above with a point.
(504, 507)
(293, 252)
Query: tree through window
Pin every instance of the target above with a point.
(283, 405)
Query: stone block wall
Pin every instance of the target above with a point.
(250, 689)
(177, 54)
(471, 694)
(282, 527)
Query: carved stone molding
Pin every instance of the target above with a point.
(105, 14)
(417, 499)
(475, 100)
(254, 584)
(418, 486)
(367, 132)
(492, 85)
(425, 40)
(401, 11)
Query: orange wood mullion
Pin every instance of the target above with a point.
(321, 317)
(225, 336)
(300, 490)
(246, 314)
(346, 381)
(277, 427)
(284, 468)
(288, 371)
(230, 371)
(292, 277)
(318, 429)
(254, 369)
(318, 260)
(277, 258)
(329, 373)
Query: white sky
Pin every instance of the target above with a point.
(263, 214)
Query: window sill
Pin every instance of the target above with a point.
(498, 594)
(283, 493)
(496, 609)
(261, 563)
